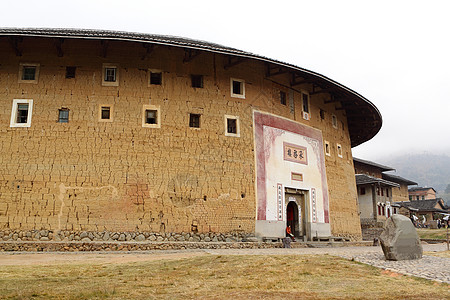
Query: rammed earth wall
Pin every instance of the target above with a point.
(92, 176)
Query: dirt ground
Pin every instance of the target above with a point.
(53, 258)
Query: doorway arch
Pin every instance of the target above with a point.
(292, 218)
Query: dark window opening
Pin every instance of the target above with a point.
(232, 126)
(110, 74)
(22, 113)
(194, 120)
(362, 190)
(237, 87)
(282, 97)
(156, 78)
(197, 81)
(305, 98)
(322, 114)
(151, 116)
(29, 73)
(70, 72)
(106, 113)
(63, 115)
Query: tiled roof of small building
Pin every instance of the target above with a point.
(397, 179)
(416, 189)
(363, 117)
(423, 205)
(370, 163)
(366, 179)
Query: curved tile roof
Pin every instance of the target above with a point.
(364, 119)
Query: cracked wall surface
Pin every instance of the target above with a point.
(87, 175)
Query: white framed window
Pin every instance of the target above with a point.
(21, 112)
(334, 121)
(305, 101)
(232, 126)
(110, 75)
(155, 77)
(29, 73)
(327, 148)
(237, 88)
(105, 112)
(339, 150)
(151, 116)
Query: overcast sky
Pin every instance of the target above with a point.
(394, 53)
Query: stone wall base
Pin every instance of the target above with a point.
(108, 236)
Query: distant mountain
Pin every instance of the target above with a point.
(426, 169)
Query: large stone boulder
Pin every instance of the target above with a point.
(399, 239)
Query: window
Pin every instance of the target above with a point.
(339, 150)
(387, 192)
(305, 100)
(155, 77)
(423, 197)
(379, 209)
(378, 191)
(382, 192)
(362, 191)
(282, 97)
(70, 72)
(28, 73)
(417, 198)
(105, 113)
(327, 148)
(151, 116)
(410, 198)
(237, 88)
(232, 126)
(21, 113)
(322, 114)
(334, 121)
(197, 81)
(194, 120)
(63, 115)
(110, 75)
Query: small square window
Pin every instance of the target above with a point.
(282, 97)
(237, 88)
(28, 73)
(70, 72)
(105, 113)
(362, 191)
(155, 78)
(151, 116)
(110, 75)
(197, 81)
(21, 113)
(232, 126)
(194, 120)
(63, 115)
